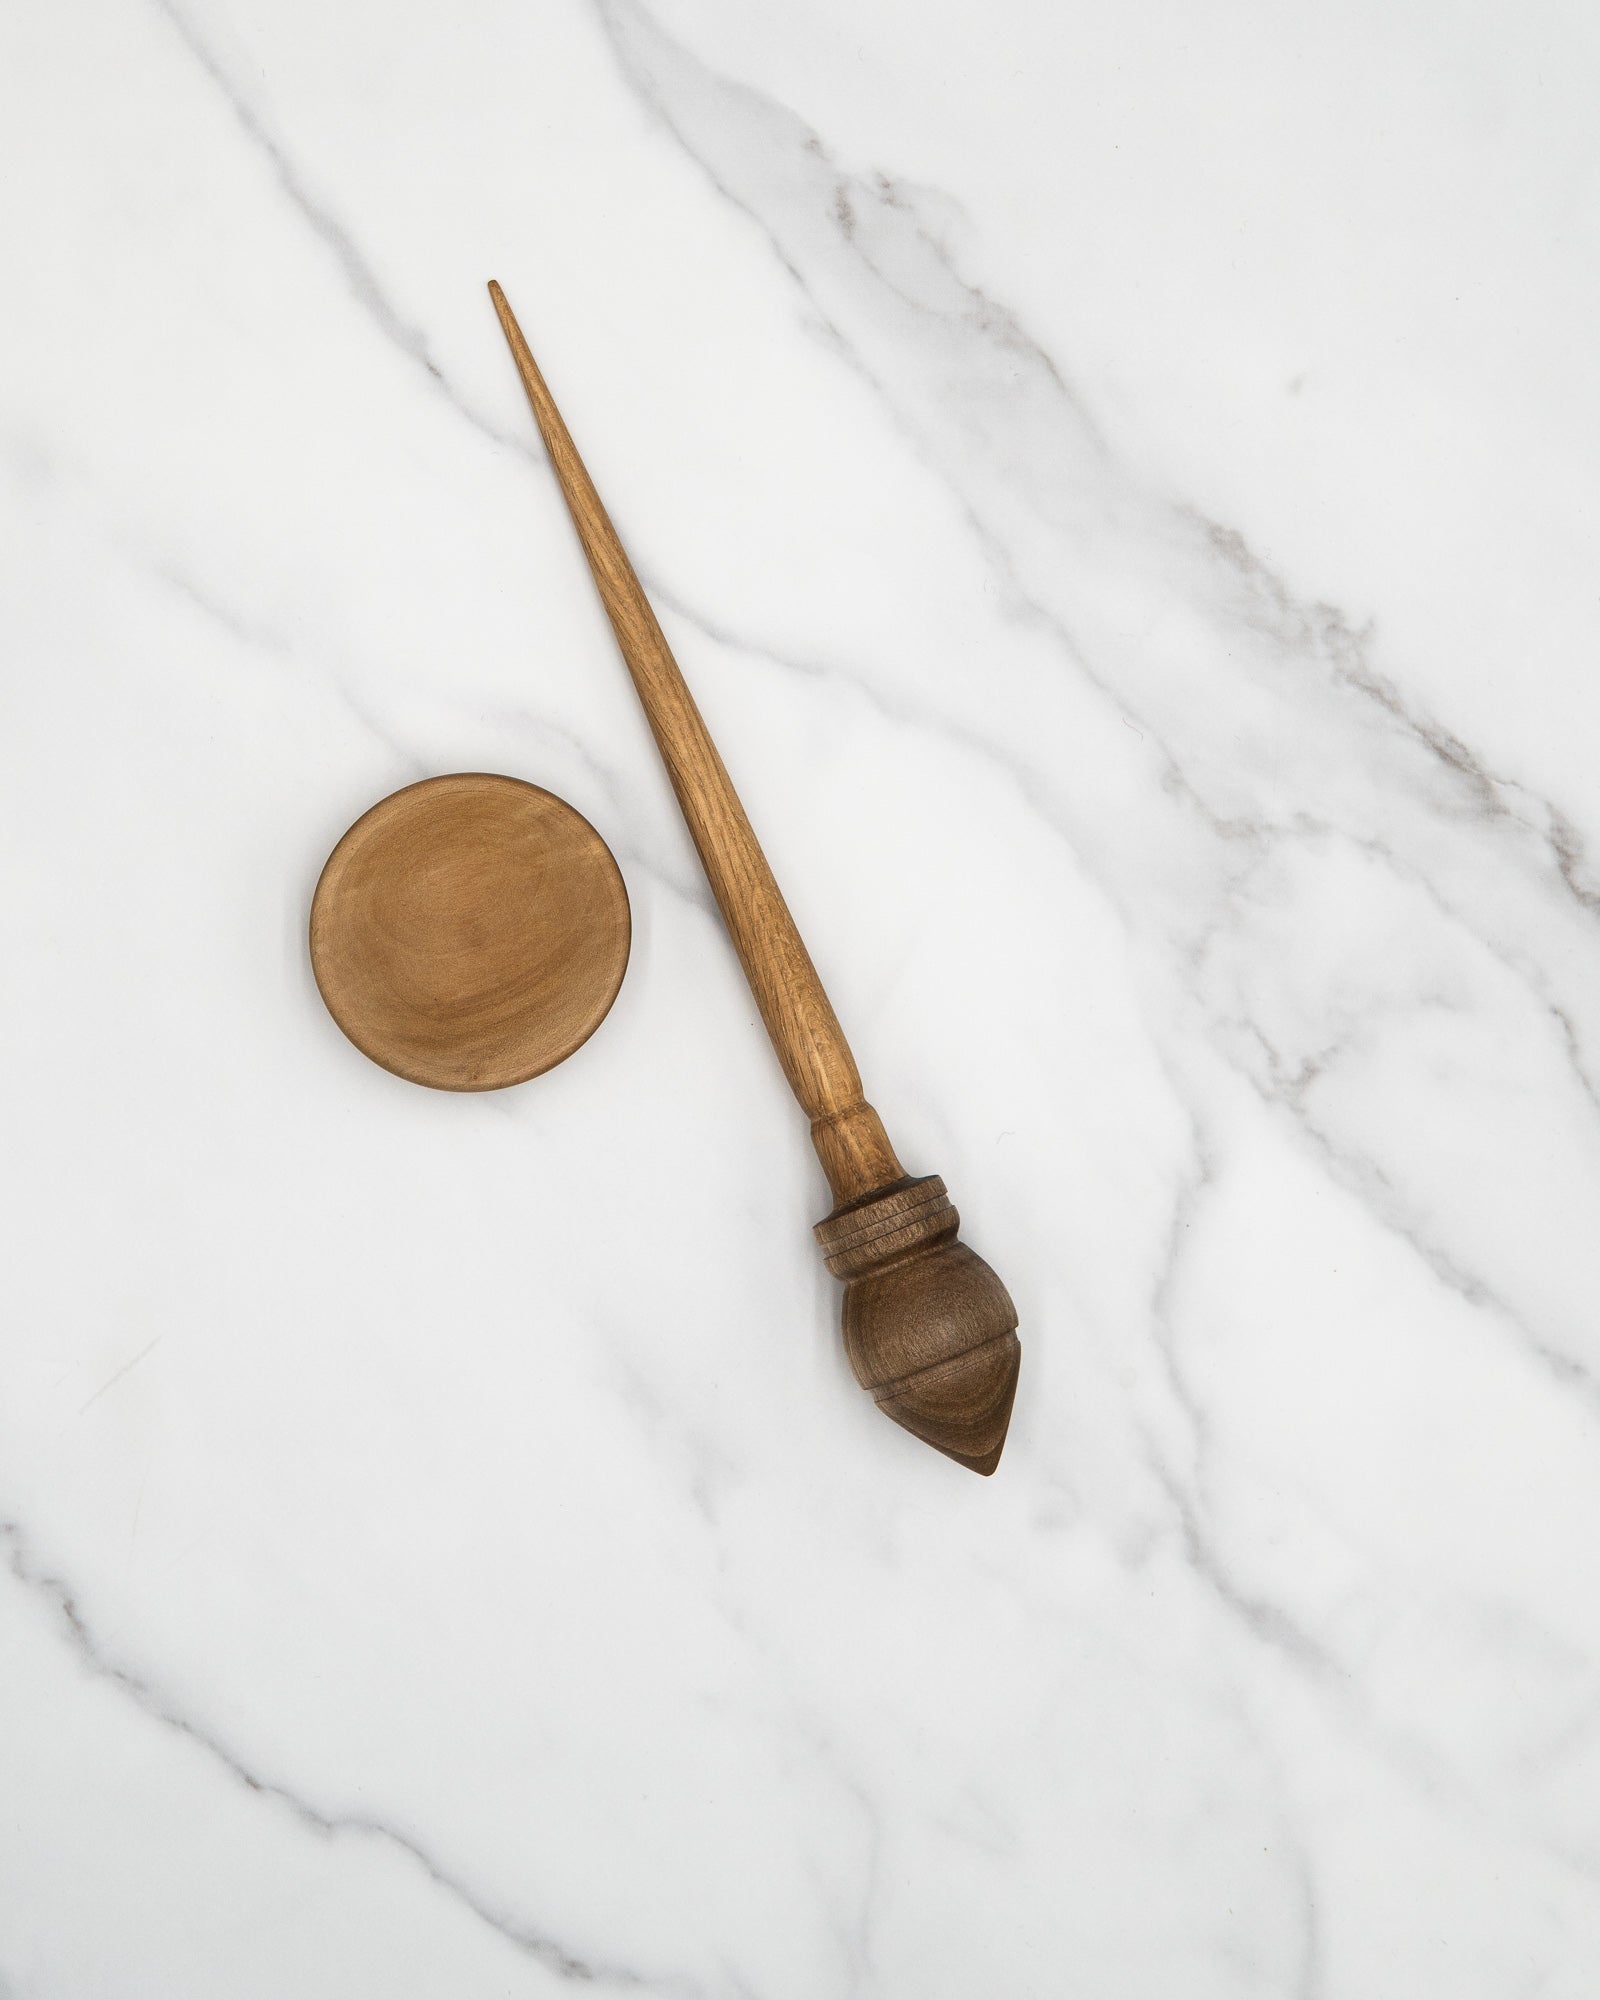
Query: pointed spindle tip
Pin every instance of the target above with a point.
(502, 306)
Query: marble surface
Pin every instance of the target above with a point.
(1122, 481)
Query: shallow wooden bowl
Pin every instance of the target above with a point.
(470, 932)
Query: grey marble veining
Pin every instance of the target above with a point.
(1130, 474)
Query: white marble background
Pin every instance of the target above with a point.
(1123, 482)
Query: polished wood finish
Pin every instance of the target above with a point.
(929, 1328)
(470, 932)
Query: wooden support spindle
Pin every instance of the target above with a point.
(929, 1328)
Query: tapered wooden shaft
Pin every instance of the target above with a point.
(848, 1134)
(929, 1329)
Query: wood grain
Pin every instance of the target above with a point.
(929, 1329)
(470, 932)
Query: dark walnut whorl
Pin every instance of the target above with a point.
(929, 1329)
(927, 1325)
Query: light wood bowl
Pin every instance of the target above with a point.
(470, 932)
